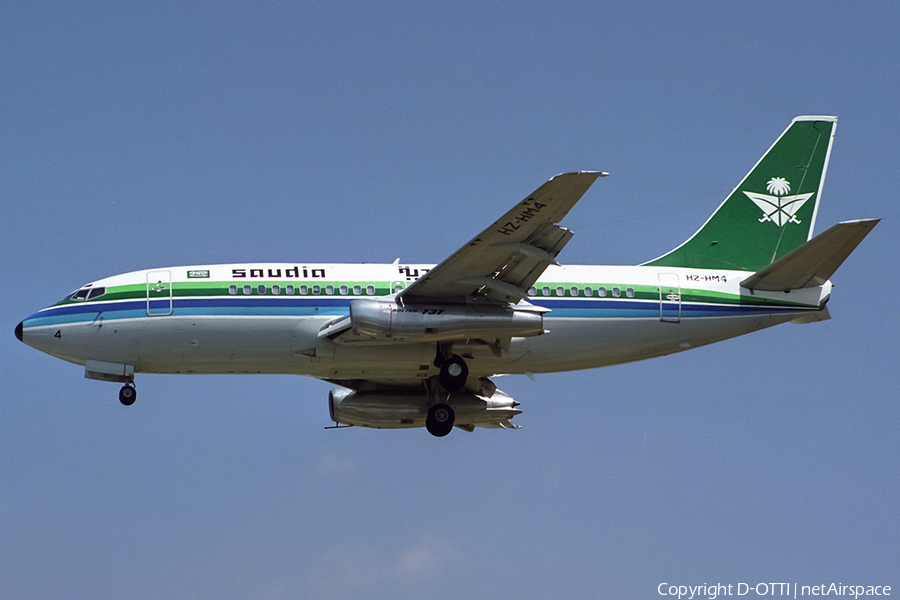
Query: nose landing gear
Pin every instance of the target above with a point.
(127, 395)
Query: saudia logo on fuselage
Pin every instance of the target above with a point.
(779, 208)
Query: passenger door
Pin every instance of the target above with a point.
(669, 298)
(159, 293)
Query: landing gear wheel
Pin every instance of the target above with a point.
(127, 395)
(454, 373)
(440, 420)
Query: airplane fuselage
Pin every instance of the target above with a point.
(266, 318)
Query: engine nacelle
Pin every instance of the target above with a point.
(400, 410)
(441, 322)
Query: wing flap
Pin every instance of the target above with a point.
(814, 262)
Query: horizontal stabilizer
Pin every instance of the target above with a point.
(814, 262)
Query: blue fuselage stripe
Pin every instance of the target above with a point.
(316, 306)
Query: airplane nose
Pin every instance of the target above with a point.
(19, 331)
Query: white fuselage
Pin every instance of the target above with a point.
(267, 318)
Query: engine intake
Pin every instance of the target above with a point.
(398, 410)
(441, 323)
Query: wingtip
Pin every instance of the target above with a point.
(573, 173)
(868, 224)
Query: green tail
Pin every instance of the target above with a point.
(771, 212)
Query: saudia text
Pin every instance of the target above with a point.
(293, 272)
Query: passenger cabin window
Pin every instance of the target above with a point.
(304, 290)
(601, 291)
(276, 289)
(357, 290)
(248, 290)
(370, 290)
(532, 291)
(329, 289)
(317, 290)
(344, 290)
(232, 289)
(545, 291)
(629, 292)
(289, 290)
(617, 292)
(588, 291)
(573, 291)
(261, 290)
(560, 291)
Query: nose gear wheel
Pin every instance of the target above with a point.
(127, 395)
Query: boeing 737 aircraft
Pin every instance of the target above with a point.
(414, 345)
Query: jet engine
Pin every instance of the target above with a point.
(397, 410)
(442, 323)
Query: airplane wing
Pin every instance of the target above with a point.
(503, 261)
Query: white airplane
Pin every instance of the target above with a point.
(414, 345)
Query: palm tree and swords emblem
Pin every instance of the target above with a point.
(779, 208)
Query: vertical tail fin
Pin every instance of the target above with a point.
(772, 211)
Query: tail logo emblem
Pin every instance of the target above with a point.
(779, 208)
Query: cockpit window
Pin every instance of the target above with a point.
(85, 293)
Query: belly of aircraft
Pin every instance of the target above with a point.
(592, 343)
(280, 345)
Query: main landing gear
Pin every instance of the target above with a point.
(127, 395)
(440, 420)
(454, 373)
(454, 370)
(452, 378)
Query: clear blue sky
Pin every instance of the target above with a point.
(141, 135)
